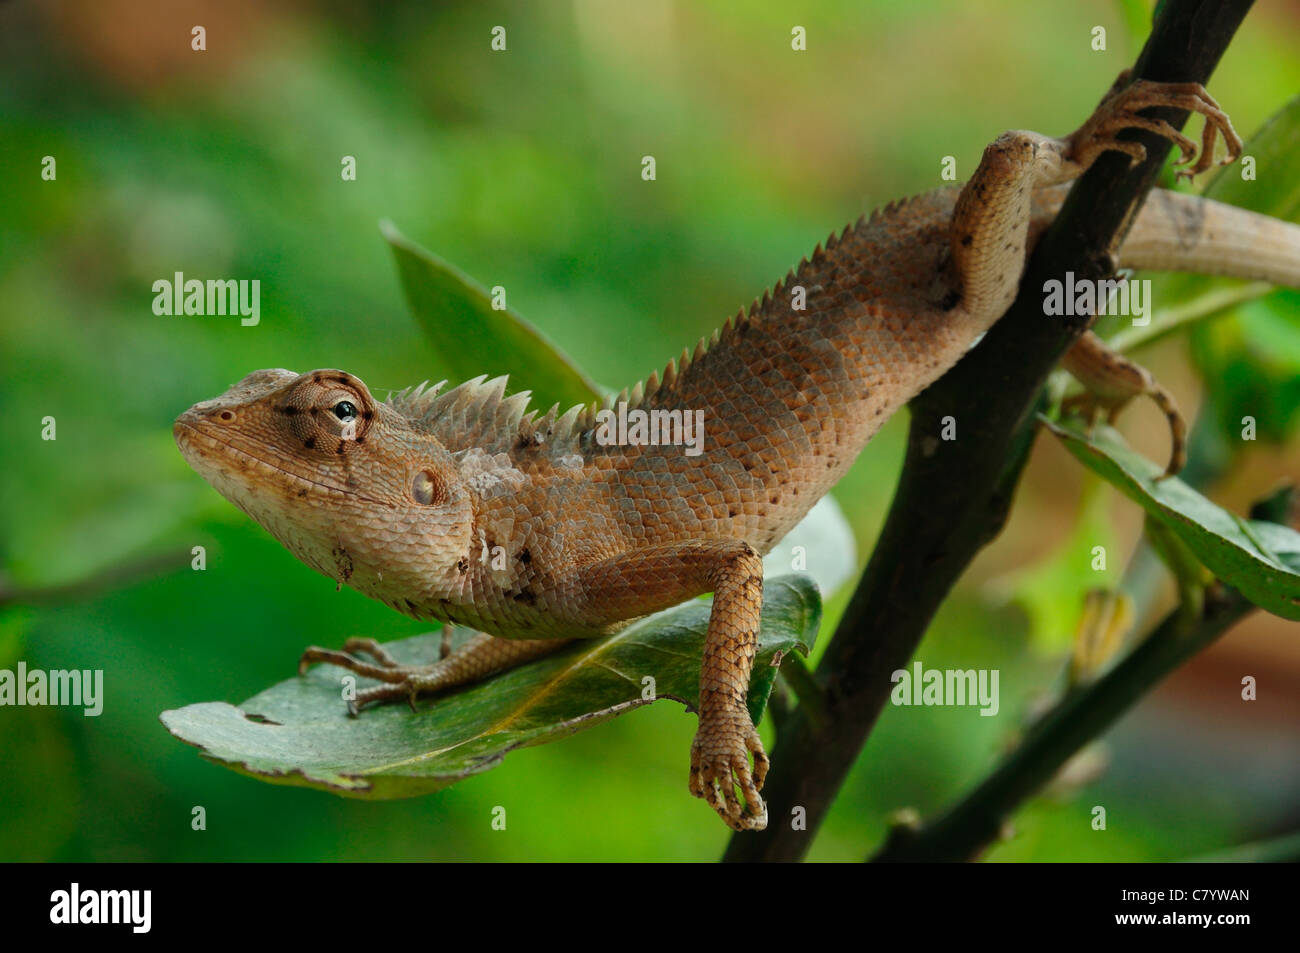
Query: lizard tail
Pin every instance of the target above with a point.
(1179, 232)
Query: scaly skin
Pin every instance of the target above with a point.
(460, 506)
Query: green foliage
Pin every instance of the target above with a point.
(1259, 558)
(297, 733)
(1052, 591)
(470, 337)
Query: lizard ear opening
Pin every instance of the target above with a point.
(428, 488)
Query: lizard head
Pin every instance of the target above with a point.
(340, 479)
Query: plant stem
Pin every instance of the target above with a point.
(1202, 306)
(974, 822)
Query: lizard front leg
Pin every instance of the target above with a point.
(990, 223)
(481, 656)
(661, 576)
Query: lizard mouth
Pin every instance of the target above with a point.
(196, 444)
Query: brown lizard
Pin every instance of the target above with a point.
(410, 500)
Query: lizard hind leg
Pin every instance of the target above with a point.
(1111, 381)
(989, 230)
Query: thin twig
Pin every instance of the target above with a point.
(108, 579)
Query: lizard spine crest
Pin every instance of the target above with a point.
(476, 413)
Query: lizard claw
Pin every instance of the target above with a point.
(409, 688)
(720, 764)
(400, 681)
(1120, 109)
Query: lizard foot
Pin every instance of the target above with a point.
(720, 763)
(402, 681)
(1119, 111)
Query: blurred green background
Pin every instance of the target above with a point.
(523, 168)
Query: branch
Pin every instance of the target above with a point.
(104, 580)
(950, 504)
(977, 819)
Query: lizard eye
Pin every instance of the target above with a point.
(345, 411)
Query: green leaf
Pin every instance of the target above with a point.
(1251, 368)
(1275, 147)
(1261, 560)
(297, 732)
(470, 338)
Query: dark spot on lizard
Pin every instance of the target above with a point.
(966, 240)
(342, 447)
(368, 415)
(342, 380)
(462, 565)
(310, 443)
(289, 410)
(343, 561)
(316, 378)
(526, 596)
(950, 300)
(525, 556)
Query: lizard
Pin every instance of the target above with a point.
(401, 498)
